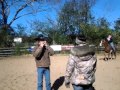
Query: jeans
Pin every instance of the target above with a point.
(112, 45)
(42, 71)
(83, 87)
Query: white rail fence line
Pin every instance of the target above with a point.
(4, 52)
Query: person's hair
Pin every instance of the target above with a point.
(81, 37)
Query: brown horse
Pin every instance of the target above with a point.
(108, 49)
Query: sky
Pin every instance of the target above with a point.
(109, 9)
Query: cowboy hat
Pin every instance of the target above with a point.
(40, 38)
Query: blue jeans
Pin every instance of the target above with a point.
(83, 87)
(112, 45)
(42, 71)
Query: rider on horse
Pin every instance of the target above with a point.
(110, 41)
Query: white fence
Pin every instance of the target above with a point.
(4, 52)
(61, 47)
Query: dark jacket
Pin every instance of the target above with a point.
(42, 56)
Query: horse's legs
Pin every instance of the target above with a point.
(111, 54)
(108, 56)
(114, 52)
(105, 58)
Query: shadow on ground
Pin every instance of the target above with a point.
(58, 83)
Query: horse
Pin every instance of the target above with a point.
(108, 49)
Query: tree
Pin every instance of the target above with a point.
(117, 30)
(12, 10)
(38, 27)
(20, 30)
(103, 23)
(20, 8)
(5, 38)
(117, 24)
(74, 13)
(103, 29)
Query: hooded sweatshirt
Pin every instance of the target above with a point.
(81, 65)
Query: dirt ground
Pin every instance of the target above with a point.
(19, 73)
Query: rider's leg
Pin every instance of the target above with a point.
(114, 49)
(113, 46)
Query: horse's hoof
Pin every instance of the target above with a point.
(105, 59)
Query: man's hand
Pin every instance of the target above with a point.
(41, 43)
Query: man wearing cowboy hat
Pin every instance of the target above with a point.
(81, 66)
(42, 52)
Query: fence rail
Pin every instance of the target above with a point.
(5, 52)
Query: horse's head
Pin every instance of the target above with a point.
(104, 43)
(100, 43)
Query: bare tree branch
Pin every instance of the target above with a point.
(21, 5)
(19, 10)
(3, 12)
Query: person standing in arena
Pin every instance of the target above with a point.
(42, 53)
(81, 66)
